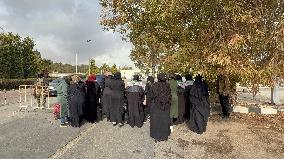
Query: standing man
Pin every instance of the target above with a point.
(223, 88)
(62, 94)
(40, 90)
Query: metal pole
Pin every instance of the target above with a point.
(76, 64)
(25, 94)
(89, 60)
(48, 104)
(20, 96)
(89, 66)
(31, 100)
(5, 97)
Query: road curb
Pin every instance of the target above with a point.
(257, 110)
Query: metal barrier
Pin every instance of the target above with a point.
(27, 94)
(4, 97)
(8, 97)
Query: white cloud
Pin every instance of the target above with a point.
(60, 29)
(3, 10)
(120, 55)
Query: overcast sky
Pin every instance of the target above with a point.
(61, 28)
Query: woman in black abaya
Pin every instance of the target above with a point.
(149, 84)
(181, 99)
(117, 99)
(160, 109)
(106, 98)
(76, 93)
(92, 109)
(135, 98)
(188, 85)
(200, 109)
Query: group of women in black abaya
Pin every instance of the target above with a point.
(80, 100)
(173, 101)
(169, 101)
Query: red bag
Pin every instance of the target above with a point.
(56, 111)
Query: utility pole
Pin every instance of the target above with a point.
(89, 66)
(89, 60)
(76, 63)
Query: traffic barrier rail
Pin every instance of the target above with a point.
(27, 95)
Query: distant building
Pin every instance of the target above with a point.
(128, 74)
(64, 74)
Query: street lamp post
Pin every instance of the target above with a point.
(89, 60)
(89, 66)
(77, 61)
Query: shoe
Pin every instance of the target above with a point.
(114, 123)
(63, 125)
(225, 117)
(172, 128)
(120, 125)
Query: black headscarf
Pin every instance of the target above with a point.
(178, 78)
(150, 79)
(188, 77)
(200, 88)
(162, 92)
(198, 79)
(136, 78)
(162, 77)
(117, 76)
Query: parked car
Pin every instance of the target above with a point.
(52, 87)
(101, 80)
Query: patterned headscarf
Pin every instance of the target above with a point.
(75, 78)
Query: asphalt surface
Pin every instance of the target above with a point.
(36, 135)
(105, 141)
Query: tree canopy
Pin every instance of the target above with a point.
(18, 58)
(245, 37)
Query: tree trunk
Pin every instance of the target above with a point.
(275, 92)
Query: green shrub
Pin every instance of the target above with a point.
(9, 84)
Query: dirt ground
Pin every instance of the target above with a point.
(243, 136)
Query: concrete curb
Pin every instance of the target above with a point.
(258, 110)
(265, 110)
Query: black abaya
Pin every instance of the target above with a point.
(76, 94)
(106, 98)
(148, 87)
(181, 104)
(188, 105)
(92, 109)
(160, 109)
(117, 99)
(200, 109)
(135, 98)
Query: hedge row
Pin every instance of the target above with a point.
(9, 84)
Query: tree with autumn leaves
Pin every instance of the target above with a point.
(245, 37)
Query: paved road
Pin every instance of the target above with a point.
(109, 142)
(31, 135)
(36, 135)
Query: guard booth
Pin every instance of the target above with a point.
(27, 97)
